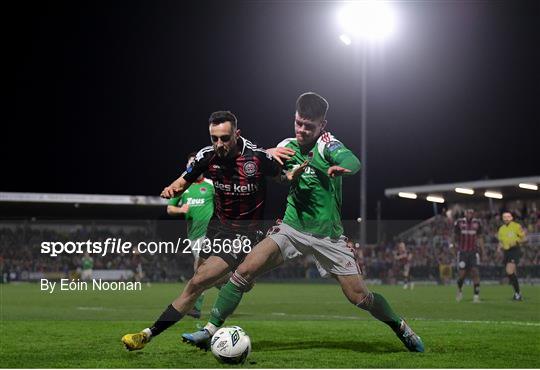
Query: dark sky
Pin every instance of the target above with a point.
(111, 96)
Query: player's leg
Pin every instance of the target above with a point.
(206, 275)
(512, 278)
(265, 256)
(357, 293)
(475, 273)
(462, 272)
(196, 310)
(407, 277)
(333, 257)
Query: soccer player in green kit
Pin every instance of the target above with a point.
(196, 204)
(312, 225)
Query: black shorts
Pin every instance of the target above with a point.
(512, 255)
(231, 246)
(467, 260)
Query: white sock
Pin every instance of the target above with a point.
(211, 328)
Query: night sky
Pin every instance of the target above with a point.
(111, 96)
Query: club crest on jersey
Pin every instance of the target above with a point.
(202, 190)
(250, 168)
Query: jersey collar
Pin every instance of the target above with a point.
(243, 145)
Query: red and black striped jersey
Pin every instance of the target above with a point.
(467, 232)
(240, 183)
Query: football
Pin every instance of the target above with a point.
(231, 345)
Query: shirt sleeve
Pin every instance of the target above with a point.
(199, 165)
(269, 165)
(480, 228)
(520, 233)
(339, 155)
(174, 201)
(500, 235)
(457, 230)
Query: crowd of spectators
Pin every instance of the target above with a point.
(21, 252)
(432, 246)
(430, 243)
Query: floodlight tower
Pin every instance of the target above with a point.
(368, 21)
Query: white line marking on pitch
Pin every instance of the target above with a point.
(522, 323)
(83, 308)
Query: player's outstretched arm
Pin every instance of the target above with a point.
(177, 211)
(281, 154)
(296, 172)
(176, 189)
(343, 161)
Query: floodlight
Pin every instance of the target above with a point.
(435, 199)
(345, 39)
(528, 186)
(369, 19)
(407, 195)
(464, 191)
(493, 194)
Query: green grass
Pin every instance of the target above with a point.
(290, 325)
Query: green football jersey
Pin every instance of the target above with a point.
(87, 263)
(314, 200)
(200, 198)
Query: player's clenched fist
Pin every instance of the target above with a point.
(169, 192)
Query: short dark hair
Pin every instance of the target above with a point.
(191, 155)
(223, 116)
(311, 106)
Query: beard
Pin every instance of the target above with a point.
(222, 152)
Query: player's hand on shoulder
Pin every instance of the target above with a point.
(335, 171)
(281, 154)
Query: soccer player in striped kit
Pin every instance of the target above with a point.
(470, 245)
(238, 170)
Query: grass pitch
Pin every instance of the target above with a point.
(290, 325)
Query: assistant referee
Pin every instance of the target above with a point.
(511, 236)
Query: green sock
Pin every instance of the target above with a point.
(228, 299)
(199, 302)
(381, 310)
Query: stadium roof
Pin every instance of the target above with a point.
(520, 187)
(82, 198)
